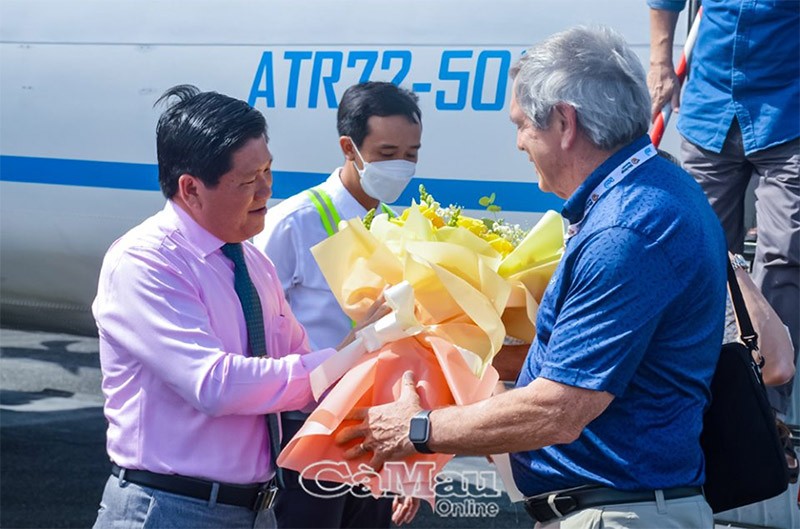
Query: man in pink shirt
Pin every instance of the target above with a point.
(186, 392)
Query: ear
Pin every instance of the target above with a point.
(189, 191)
(346, 144)
(566, 119)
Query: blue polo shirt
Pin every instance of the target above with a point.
(635, 308)
(745, 65)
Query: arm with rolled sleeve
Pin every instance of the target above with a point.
(662, 82)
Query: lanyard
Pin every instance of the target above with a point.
(614, 177)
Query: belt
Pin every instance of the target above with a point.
(258, 496)
(546, 507)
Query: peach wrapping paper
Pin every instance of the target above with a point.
(376, 380)
(466, 298)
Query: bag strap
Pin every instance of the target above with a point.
(746, 332)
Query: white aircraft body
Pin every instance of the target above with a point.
(78, 81)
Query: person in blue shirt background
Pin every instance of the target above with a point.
(604, 424)
(740, 118)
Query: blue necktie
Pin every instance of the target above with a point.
(254, 319)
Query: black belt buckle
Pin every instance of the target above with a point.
(543, 509)
(265, 498)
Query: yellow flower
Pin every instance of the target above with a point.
(501, 246)
(474, 225)
(497, 236)
(429, 212)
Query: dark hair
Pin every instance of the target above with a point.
(199, 133)
(364, 100)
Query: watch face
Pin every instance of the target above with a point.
(418, 432)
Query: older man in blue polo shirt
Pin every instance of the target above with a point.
(610, 399)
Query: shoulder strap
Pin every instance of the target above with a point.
(746, 331)
(327, 211)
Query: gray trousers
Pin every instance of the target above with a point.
(776, 268)
(681, 513)
(126, 505)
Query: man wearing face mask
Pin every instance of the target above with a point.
(380, 126)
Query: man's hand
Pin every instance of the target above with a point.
(664, 87)
(404, 508)
(384, 429)
(661, 79)
(376, 311)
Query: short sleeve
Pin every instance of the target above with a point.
(621, 284)
(667, 5)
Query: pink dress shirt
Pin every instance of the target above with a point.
(182, 394)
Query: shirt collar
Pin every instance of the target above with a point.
(194, 234)
(575, 205)
(346, 203)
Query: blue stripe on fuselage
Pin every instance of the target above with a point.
(512, 196)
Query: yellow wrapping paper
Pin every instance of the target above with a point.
(467, 299)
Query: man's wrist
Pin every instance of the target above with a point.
(419, 432)
(662, 63)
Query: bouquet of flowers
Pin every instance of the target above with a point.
(474, 282)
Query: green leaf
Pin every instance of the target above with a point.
(493, 208)
(489, 223)
(485, 201)
(491, 198)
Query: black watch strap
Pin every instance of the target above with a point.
(420, 432)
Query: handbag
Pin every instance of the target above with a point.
(744, 459)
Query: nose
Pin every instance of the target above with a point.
(519, 142)
(264, 189)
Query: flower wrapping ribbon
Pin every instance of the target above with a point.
(454, 301)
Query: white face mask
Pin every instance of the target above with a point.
(385, 180)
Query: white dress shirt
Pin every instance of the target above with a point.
(291, 229)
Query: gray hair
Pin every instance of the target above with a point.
(594, 71)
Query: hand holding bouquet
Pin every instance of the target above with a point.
(474, 282)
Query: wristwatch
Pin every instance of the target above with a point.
(739, 262)
(419, 432)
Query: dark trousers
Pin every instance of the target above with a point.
(724, 177)
(308, 506)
